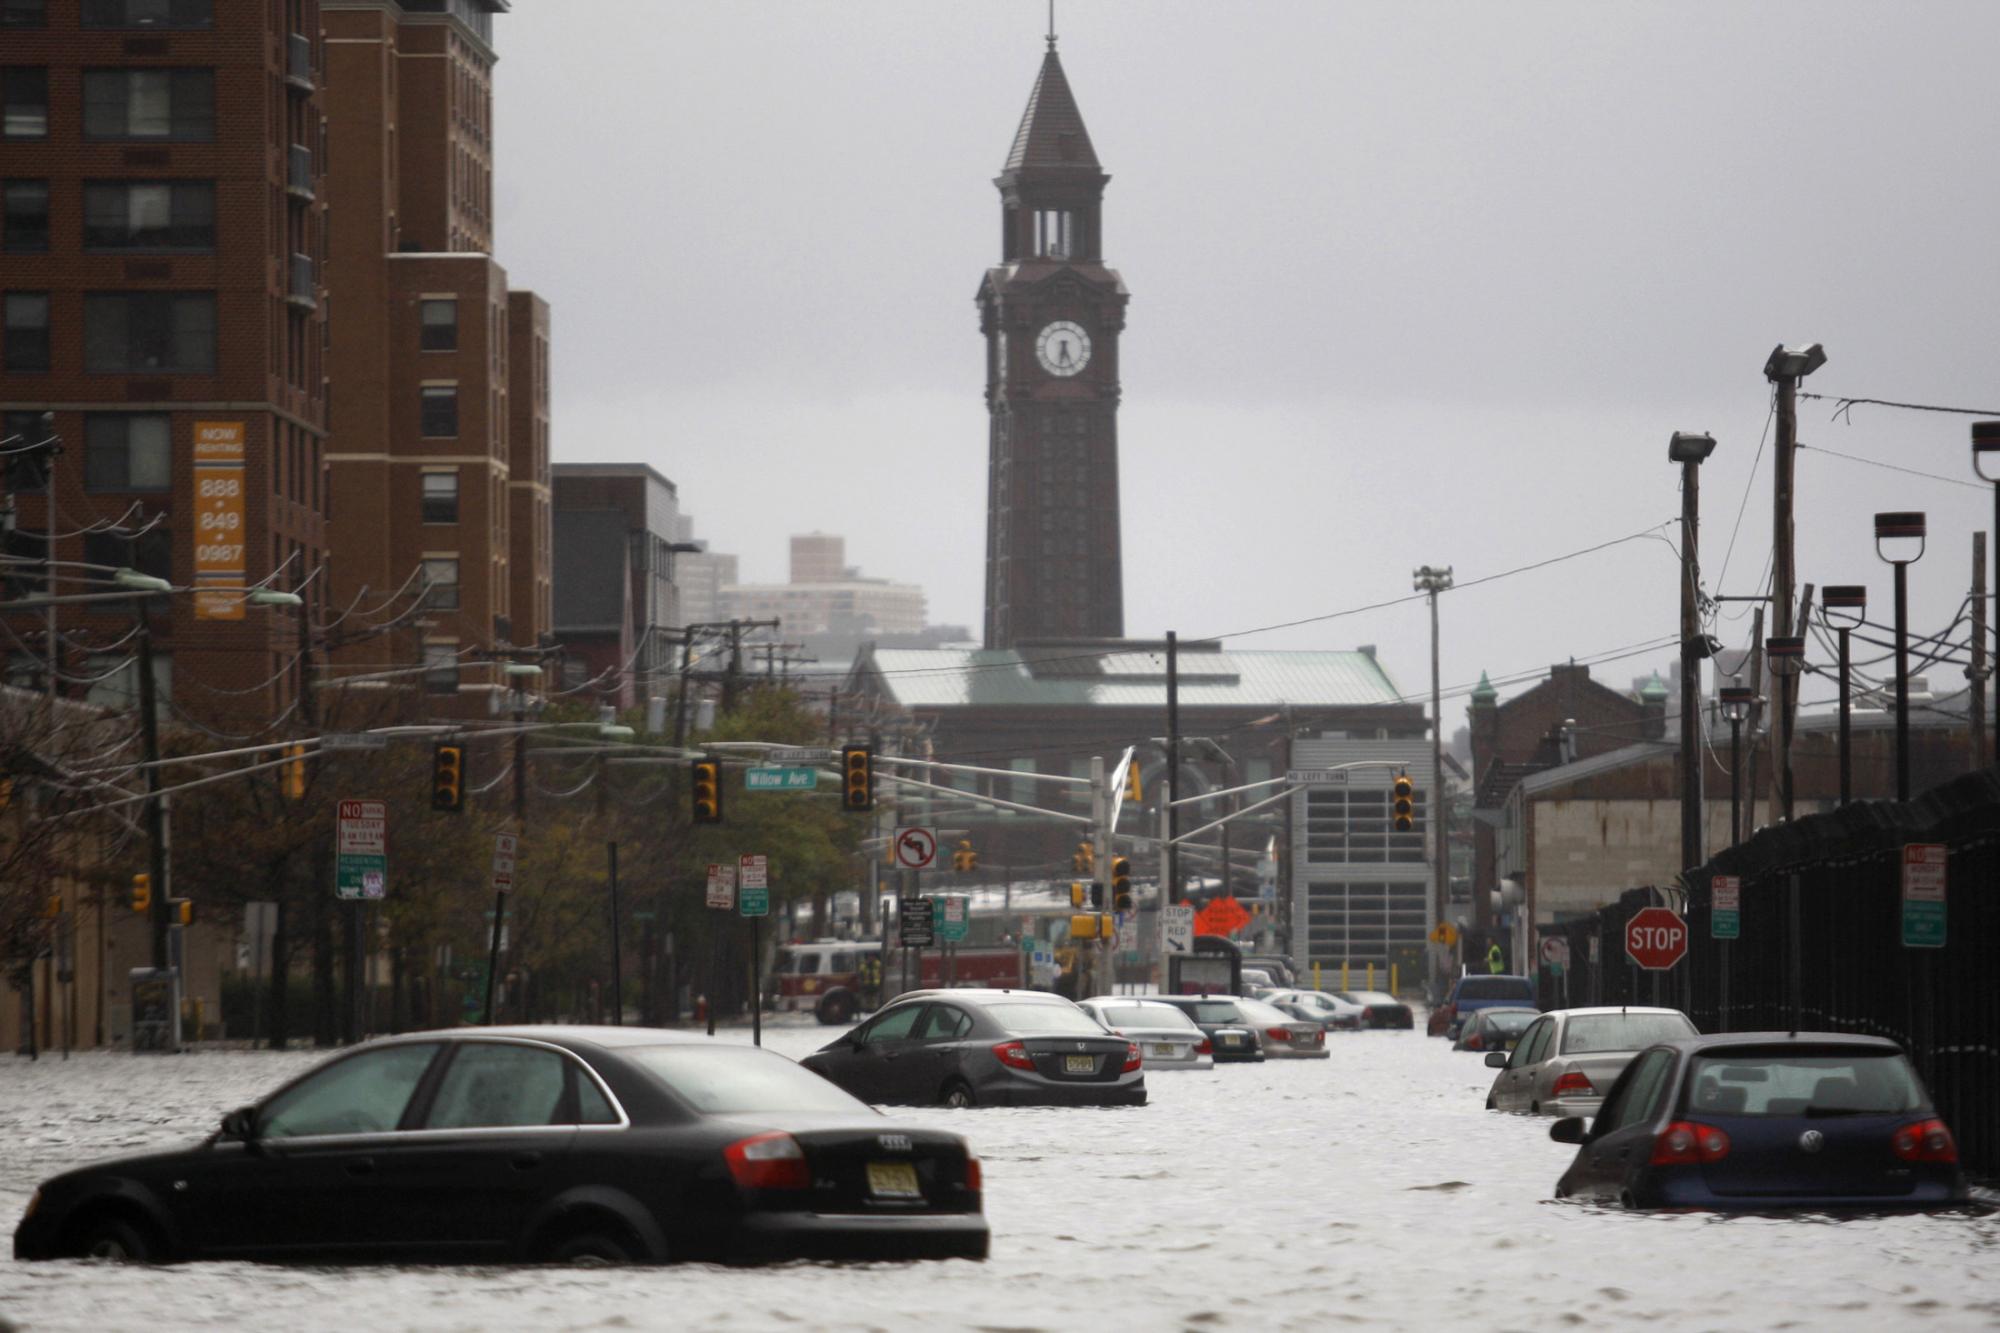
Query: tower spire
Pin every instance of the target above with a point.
(1052, 25)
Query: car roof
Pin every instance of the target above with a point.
(1493, 1010)
(1123, 999)
(982, 995)
(1377, 995)
(1722, 1041)
(1597, 1010)
(562, 1034)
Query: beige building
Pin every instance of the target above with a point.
(827, 596)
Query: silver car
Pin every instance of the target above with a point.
(1167, 1038)
(1568, 1059)
(1282, 1036)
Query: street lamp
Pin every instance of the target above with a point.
(1986, 440)
(1787, 655)
(1894, 534)
(1689, 450)
(1736, 704)
(1850, 599)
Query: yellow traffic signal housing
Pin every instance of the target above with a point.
(1076, 893)
(294, 773)
(1404, 808)
(142, 892)
(707, 791)
(1084, 926)
(183, 910)
(857, 778)
(447, 777)
(52, 907)
(1133, 792)
(1121, 884)
(1084, 859)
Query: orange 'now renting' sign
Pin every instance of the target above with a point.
(218, 519)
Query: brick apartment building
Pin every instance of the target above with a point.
(615, 529)
(438, 457)
(164, 225)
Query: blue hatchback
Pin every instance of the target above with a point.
(1763, 1120)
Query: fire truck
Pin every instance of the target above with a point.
(839, 980)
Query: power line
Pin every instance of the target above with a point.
(1844, 406)
(1892, 467)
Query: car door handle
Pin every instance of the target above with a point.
(527, 1161)
(361, 1166)
(892, 1055)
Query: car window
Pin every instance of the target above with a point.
(1216, 1011)
(1586, 1034)
(1530, 1049)
(1259, 1012)
(730, 1080)
(1641, 1092)
(1780, 1083)
(808, 964)
(896, 1025)
(592, 1108)
(1063, 1020)
(1495, 988)
(362, 1094)
(1505, 1022)
(489, 1084)
(842, 962)
(1145, 1016)
(944, 1023)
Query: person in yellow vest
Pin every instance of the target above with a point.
(1494, 962)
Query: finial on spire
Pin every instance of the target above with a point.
(1052, 25)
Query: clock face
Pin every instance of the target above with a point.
(1063, 348)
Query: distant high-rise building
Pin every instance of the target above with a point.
(818, 558)
(827, 597)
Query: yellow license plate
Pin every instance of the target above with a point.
(1079, 1064)
(1164, 1048)
(893, 1180)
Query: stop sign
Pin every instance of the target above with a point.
(1656, 939)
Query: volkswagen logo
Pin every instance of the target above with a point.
(1812, 1141)
(1081, 1047)
(893, 1142)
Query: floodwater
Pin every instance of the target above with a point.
(1369, 1190)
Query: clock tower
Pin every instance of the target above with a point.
(1052, 312)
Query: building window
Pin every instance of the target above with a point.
(127, 453)
(24, 103)
(441, 578)
(23, 13)
(27, 346)
(150, 552)
(19, 433)
(147, 14)
(149, 331)
(440, 410)
(149, 215)
(26, 227)
(441, 668)
(440, 325)
(149, 104)
(440, 497)
(1052, 232)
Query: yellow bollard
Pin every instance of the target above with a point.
(1371, 974)
(1316, 974)
(1343, 975)
(1392, 979)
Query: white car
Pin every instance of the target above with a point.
(1330, 1011)
(1166, 1037)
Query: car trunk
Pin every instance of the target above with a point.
(885, 1168)
(1602, 1069)
(1304, 1036)
(1078, 1059)
(1767, 1156)
(1162, 1043)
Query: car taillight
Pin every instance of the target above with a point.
(1014, 1055)
(1573, 1084)
(1475, 1042)
(1319, 1037)
(1278, 1034)
(1686, 1142)
(1929, 1141)
(768, 1162)
(975, 1178)
(1207, 1047)
(1132, 1060)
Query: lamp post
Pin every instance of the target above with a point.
(1437, 809)
(1893, 534)
(1689, 449)
(520, 675)
(1851, 600)
(1986, 440)
(1787, 655)
(1736, 703)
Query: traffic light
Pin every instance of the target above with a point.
(1084, 859)
(1132, 789)
(293, 779)
(1121, 884)
(1405, 807)
(142, 892)
(183, 910)
(964, 858)
(1097, 897)
(707, 791)
(52, 907)
(1076, 893)
(857, 778)
(447, 777)
(1084, 927)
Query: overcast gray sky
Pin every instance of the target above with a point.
(1410, 284)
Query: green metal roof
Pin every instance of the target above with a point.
(1084, 677)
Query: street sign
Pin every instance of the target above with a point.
(361, 847)
(1555, 952)
(752, 872)
(915, 848)
(779, 779)
(722, 886)
(1656, 939)
(1924, 866)
(1177, 928)
(1725, 916)
(807, 755)
(1318, 777)
(753, 902)
(504, 847)
(1222, 916)
(953, 920)
(916, 928)
(1444, 933)
(352, 740)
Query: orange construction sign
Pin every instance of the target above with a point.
(1223, 916)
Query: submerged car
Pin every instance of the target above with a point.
(1330, 1011)
(1282, 1036)
(565, 1144)
(1379, 1008)
(1167, 1038)
(1229, 1029)
(975, 1047)
(1565, 1061)
(1470, 993)
(1494, 1029)
(1766, 1120)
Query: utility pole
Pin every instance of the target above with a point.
(1433, 582)
(1756, 719)
(1689, 450)
(1173, 783)
(1785, 367)
(1977, 671)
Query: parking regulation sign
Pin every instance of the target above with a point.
(722, 887)
(1923, 894)
(361, 861)
(1725, 918)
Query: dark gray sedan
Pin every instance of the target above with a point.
(984, 1048)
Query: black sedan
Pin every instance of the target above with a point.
(1231, 1031)
(1380, 1009)
(552, 1144)
(984, 1048)
(1765, 1120)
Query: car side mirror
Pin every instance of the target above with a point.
(241, 1124)
(1496, 1059)
(1569, 1129)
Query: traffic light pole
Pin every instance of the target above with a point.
(520, 828)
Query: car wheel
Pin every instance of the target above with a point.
(958, 1093)
(1630, 1203)
(1534, 1108)
(114, 1238)
(594, 1248)
(836, 1009)
(1490, 1106)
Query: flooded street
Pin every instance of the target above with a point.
(1367, 1190)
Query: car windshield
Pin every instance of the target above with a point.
(1496, 988)
(1790, 1083)
(1508, 1022)
(1145, 1016)
(1584, 1034)
(1034, 1020)
(726, 1080)
(1216, 1011)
